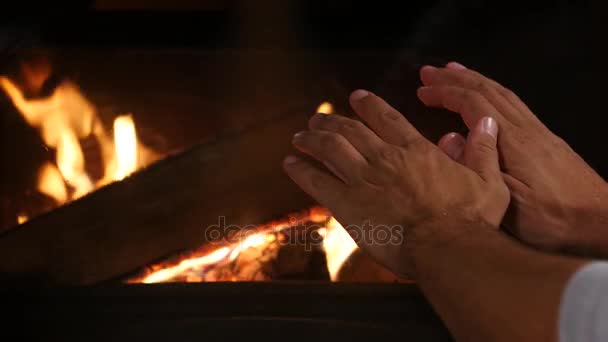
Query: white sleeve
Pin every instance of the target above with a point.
(583, 315)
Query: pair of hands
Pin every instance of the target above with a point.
(385, 178)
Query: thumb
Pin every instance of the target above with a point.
(453, 145)
(481, 154)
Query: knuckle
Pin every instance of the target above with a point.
(383, 155)
(356, 125)
(470, 95)
(329, 140)
(350, 125)
(485, 147)
(479, 84)
(419, 143)
(387, 154)
(390, 158)
(508, 94)
(483, 87)
(503, 189)
(390, 114)
(339, 124)
(500, 189)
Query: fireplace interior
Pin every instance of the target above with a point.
(142, 190)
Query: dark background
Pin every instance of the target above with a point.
(550, 52)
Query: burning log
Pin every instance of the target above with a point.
(162, 209)
(290, 248)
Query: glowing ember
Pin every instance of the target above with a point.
(170, 272)
(325, 108)
(21, 218)
(248, 257)
(64, 118)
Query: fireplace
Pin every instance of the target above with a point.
(143, 195)
(121, 188)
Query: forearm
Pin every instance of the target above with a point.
(487, 287)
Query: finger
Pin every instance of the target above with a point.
(505, 92)
(471, 105)
(520, 193)
(320, 185)
(515, 185)
(359, 135)
(453, 145)
(454, 75)
(334, 151)
(481, 154)
(388, 123)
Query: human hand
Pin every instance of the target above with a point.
(387, 180)
(558, 202)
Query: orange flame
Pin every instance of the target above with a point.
(22, 218)
(64, 118)
(338, 246)
(170, 272)
(125, 142)
(50, 183)
(325, 108)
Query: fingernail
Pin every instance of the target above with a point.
(488, 125)
(453, 145)
(290, 160)
(455, 150)
(297, 136)
(455, 66)
(358, 94)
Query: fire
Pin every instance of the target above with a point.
(21, 218)
(210, 265)
(50, 183)
(70, 161)
(325, 108)
(338, 246)
(212, 262)
(170, 272)
(125, 142)
(66, 117)
(255, 240)
(63, 119)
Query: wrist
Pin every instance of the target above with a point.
(431, 238)
(589, 227)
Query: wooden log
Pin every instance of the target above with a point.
(160, 210)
